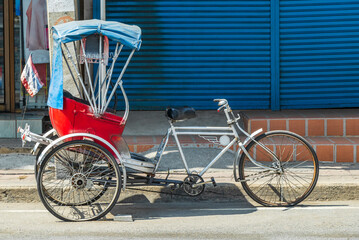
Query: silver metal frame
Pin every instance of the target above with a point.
(220, 131)
(213, 131)
(49, 133)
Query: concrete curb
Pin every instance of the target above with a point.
(7, 150)
(222, 193)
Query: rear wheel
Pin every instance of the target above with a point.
(290, 180)
(79, 181)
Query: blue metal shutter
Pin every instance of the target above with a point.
(319, 53)
(194, 51)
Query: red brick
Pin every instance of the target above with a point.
(352, 127)
(246, 124)
(257, 124)
(144, 148)
(144, 139)
(263, 155)
(131, 148)
(211, 145)
(278, 125)
(319, 140)
(269, 141)
(340, 140)
(303, 153)
(355, 140)
(234, 148)
(130, 139)
(157, 139)
(185, 139)
(316, 127)
(325, 153)
(171, 141)
(297, 126)
(198, 139)
(334, 127)
(345, 153)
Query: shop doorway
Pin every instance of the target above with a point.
(7, 56)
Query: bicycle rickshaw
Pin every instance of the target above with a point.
(80, 171)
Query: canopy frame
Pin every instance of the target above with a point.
(122, 34)
(99, 101)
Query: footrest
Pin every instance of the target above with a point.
(213, 182)
(140, 163)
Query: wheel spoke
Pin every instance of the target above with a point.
(299, 164)
(296, 176)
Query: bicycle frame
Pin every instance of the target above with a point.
(212, 131)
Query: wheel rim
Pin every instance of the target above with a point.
(295, 175)
(75, 181)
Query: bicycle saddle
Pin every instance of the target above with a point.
(180, 114)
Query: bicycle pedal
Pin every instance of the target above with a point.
(213, 182)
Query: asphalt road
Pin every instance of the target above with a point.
(189, 220)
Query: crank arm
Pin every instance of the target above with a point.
(202, 183)
(199, 184)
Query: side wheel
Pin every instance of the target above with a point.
(283, 180)
(79, 181)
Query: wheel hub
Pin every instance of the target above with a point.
(278, 168)
(78, 181)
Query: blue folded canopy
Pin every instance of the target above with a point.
(128, 35)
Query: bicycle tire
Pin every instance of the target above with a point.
(79, 173)
(296, 174)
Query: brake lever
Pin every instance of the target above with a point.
(219, 109)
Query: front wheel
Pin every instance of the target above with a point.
(285, 170)
(79, 180)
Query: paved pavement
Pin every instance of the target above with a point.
(195, 220)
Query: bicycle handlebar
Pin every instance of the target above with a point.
(222, 103)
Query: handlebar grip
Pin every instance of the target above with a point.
(222, 103)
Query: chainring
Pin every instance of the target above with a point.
(188, 183)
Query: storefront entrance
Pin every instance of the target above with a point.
(14, 51)
(10, 63)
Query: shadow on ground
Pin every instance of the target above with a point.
(164, 203)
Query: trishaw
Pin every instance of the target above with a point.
(83, 162)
